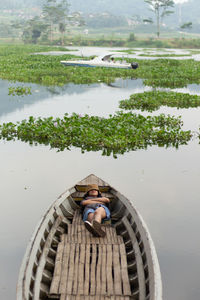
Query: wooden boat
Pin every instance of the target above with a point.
(100, 61)
(64, 261)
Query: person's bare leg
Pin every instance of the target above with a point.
(90, 217)
(89, 226)
(99, 214)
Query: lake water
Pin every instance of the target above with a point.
(162, 183)
(135, 53)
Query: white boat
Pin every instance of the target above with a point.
(64, 261)
(101, 61)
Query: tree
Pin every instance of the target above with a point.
(186, 26)
(62, 29)
(56, 12)
(161, 9)
(33, 30)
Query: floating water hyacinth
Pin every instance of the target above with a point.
(117, 134)
(153, 100)
(19, 91)
(17, 63)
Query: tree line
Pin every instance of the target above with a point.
(56, 16)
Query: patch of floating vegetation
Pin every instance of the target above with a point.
(117, 134)
(153, 100)
(164, 55)
(194, 51)
(19, 91)
(17, 63)
(168, 73)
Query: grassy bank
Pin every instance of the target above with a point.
(131, 41)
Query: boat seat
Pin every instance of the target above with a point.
(88, 267)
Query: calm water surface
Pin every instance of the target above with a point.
(162, 183)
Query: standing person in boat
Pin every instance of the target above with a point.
(95, 210)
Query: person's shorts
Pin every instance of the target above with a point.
(89, 210)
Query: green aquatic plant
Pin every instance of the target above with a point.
(153, 100)
(18, 63)
(116, 134)
(164, 55)
(169, 73)
(19, 91)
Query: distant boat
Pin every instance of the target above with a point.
(64, 261)
(101, 61)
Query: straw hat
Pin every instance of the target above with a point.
(92, 187)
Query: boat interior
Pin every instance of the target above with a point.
(64, 260)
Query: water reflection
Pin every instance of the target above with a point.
(163, 184)
(97, 99)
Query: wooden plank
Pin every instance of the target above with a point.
(114, 235)
(98, 272)
(72, 233)
(71, 270)
(101, 239)
(80, 220)
(69, 233)
(76, 216)
(76, 273)
(93, 271)
(79, 234)
(83, 234)
(124, 271)
(117, 271)
(111, 235)
(120, 240)
(109, 275)
(108, 236)
(65, 267)
(98, 297)
(57, 271)
(87, 270)
(81, 269)
(103, 270)
(62, 297)
(88, 236)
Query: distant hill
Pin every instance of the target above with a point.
(185, 12)
(117, 7)
(188, 11)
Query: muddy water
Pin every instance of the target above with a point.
(162, 183)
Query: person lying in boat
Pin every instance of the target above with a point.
(95, 210)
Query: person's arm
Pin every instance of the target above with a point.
(100, 199)
(95, 200)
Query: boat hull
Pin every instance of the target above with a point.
(91, 64)
(39, 264)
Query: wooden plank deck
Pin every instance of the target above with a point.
(90, 268)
